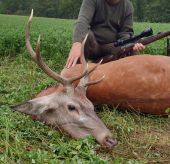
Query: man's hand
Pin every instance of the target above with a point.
(138, 47)
(74, 55)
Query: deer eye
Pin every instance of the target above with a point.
(50, 110)
(71, 108)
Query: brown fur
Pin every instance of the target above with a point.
(140, 83)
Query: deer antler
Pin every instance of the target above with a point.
(37, 58)
(84, 82)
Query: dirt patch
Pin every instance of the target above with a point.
(153, 145)
(159, 138)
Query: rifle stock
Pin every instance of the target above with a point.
(117, 52)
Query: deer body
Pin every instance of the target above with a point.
(140, 83)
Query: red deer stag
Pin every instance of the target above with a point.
(139, 83)
(68, 110)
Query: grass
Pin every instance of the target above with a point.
(142, 139)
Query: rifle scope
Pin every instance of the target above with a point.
(145, 33)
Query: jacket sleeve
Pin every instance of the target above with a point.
(126, 30)
(85, 17)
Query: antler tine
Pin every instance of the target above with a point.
(93, 68)
(90, 71)
(94, 82)
(37, 57)
(85, 65)
(82, 58)
(27, 37)
(46, 69)
(85, 81)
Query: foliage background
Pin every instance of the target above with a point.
(145, 10)
(142, 139)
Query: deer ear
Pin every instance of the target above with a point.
(32, 107)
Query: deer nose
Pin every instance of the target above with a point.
(109, 142)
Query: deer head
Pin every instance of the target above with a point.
(68, 110)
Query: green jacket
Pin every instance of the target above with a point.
(108, 22)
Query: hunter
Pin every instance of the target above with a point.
(106, 21)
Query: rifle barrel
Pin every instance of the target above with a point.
(153, 38)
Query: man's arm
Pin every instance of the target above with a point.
(126, 30)
(81, 29)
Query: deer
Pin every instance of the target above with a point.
(69, 110)
(139, 83)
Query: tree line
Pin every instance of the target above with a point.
(145, 10)
(151, 10)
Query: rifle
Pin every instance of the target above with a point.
(115, 52)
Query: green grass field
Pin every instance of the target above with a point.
(142, 139)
